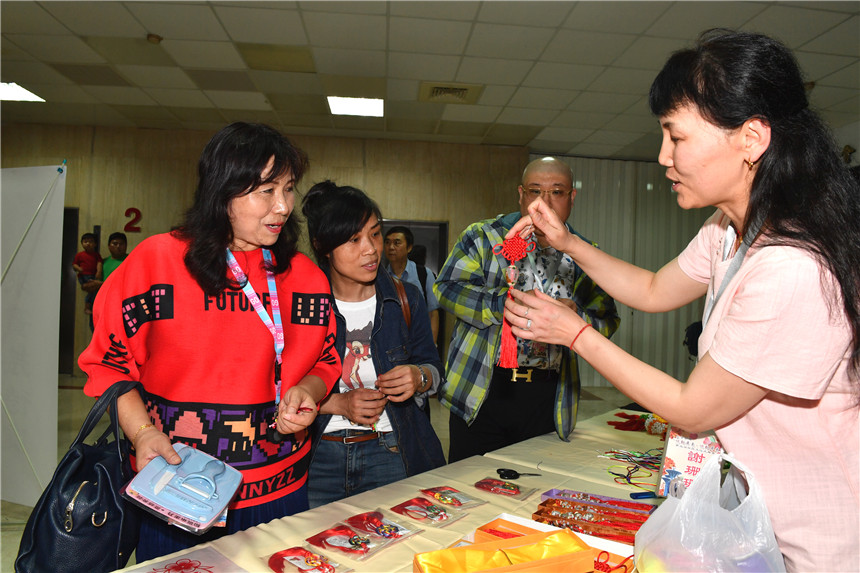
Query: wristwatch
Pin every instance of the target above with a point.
(424, 381)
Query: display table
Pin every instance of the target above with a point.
(580, 456)
(249, 548)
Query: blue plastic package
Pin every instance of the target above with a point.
(191, 495)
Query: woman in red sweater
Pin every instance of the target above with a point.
(228, 329)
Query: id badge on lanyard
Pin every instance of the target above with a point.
(274, 325)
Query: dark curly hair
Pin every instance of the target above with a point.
(231, 163)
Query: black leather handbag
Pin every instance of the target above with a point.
(81, 523)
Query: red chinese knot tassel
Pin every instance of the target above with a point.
(512, 249)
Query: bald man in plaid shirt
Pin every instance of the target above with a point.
(492, 407)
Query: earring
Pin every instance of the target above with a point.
(751, 163)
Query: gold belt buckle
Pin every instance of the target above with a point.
(526, 375)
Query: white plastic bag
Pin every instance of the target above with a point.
(711, 527)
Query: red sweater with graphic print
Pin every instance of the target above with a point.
(207, 363)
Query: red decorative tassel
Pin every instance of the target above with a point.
(508, 350)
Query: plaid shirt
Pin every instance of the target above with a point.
(472, 286)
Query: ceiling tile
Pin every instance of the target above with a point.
(225, 80)
(350, 62)
(492, 71)
(91, 75)
(29, 18)
(428, 36)
(578, 47)
(418, 110)
(273, 58)
(363, 123)
(822, 64)
(609, 137)
(582, 119)
(179, 21)
(622, 18)
(119, 95)
(624, 80)
(262, 25)
(541, 98)
(445, 10)
(130, 51)
(411, 125)
(401, 90)
(10, 52)
(227, 100)
(250, 115)
(826, 96)
(363, 7)
(347, 31)
(426, 67)
(465, 128)
(496, 95)
(156, 76)
(631, 122)
(60, 93)
(842, 39)
(603, 102)
(32, 72)
(294, 103)
(686, 20)
(525, 116)
(564, 134)
(169, 97)
(471, 113)
(512, 42)
(286, 82)
(562, 76)
(306, 119)
(143, 112)
(535, 13)
(793, 26)
(353, 86)
(196, 54)
(548, 147)
(113, 20)
(65, 114)
(501, 134)
(65, 49)
(847, 77)
(648, 53)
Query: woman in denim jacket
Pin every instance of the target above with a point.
(370, 431)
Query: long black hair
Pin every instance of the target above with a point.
(802, 192)
(334, 214)
(231, 163)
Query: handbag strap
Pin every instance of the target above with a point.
(107, 399)
(404, 302)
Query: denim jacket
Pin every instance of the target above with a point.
(393, 344)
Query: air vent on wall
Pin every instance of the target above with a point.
(449, 92)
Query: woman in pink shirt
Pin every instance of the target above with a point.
(779, 355)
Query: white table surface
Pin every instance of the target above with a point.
(573, 465)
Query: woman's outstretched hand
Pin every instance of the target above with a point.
(536, 316)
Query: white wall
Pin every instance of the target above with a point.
(30, 321)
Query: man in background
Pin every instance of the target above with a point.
(492, 407)
(117, 245)
(399, 242)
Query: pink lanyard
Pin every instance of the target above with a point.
(276, 327)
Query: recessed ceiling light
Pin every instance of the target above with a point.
(356, 106)
(14, 92)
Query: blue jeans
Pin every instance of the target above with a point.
(340, 470)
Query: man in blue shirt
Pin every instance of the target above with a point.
(399, 241)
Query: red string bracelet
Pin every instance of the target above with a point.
(581, 330)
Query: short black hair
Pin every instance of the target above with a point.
(89, 236)
(410, 238)
(118, 235)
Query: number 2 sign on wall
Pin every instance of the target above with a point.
(131, 226)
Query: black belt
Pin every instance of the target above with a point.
(525, 374)
(352, 439)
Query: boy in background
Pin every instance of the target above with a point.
(117, 245)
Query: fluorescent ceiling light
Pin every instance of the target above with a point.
(14, 92)
(356, 106)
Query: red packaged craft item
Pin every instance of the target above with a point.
(426, 512)
(346, 540)
(451, 497)
(505, 488)
(301, 560)
(376, 523)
